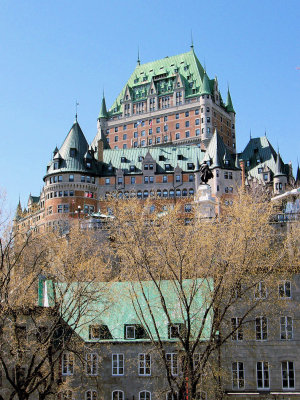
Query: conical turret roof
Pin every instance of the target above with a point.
(298, 175)
(205, 87)
(278, 166)
(218, 153)
(103, 110)
(72, 153)
(229, 106)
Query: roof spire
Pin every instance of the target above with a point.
(76, 104)
(229, 106)
(192, 42)
(138, 59)
(205, 89)
(103, 110)
(278, 169)
(250, 134)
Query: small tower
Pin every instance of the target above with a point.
(206, 104)
(280, 179)
(230, 110)
(102, 118)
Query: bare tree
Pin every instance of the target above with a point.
(224, 262)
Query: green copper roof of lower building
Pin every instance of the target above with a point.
(163, 72)
(177, 155)
(129, 303)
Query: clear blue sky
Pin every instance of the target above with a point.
(56, 51)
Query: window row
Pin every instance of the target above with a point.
(65, 208)
(59, 178)
(263, 375)
(119, 395)
(159, 193)
(261, 328)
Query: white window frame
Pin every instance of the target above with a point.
(119, 358)
(144, 398)
(130, 326)
(142, 361)
(288, 370)
(263, 371)
(67, 363)
(259, 291)
(172, 360)
(236, 332)
(91, 392)
(91, 363)
(238, 364)
(117, 391)
(261, 319)
(284, 289)
(285, 331)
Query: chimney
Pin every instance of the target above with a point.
(242, 165)
(100, 150)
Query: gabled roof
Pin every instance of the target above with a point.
(260, 149)
(217, 153)
(75, 139)
(117, 306)
(164, 72)
(162, 155)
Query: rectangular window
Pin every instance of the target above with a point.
(286, 328)
(145, 364)
(176, 116)
(67, 364)
(132, 180)
(187, 134)
(197, 121)
(146, 179)
(187, 113)
(130, 332)
(238, 379)
(187, 124)
(117, 364)
(172, 363)
(120, 180)
(261, 328)
(288, 375)
(191, 178)
(177, 126)
(285, 289)
(236, 328)
(178, 178)
(174, 331)
(125, 136)
(151, 179)
(260, 291)
(165, 178)
(158, 129)
(262, 375)
(157, 120)
(91, 360)
(197, 111)
(71, 178)
(107, 181)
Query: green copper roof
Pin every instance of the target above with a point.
(163, 73)
(68, 162)
(260, 154)
(298, 175)
(229, 106)
(217, 153)
(205, 87)
(103, 110)
(278, 166)
(116, 306)
(177, 155)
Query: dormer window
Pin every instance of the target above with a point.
(168, 167)
(132, 168)
(146, 166)
(190, 166)
(248, 163)
(227, 162)
(123, 159)
(99, 332)
(88, 164)
(258, 161)
(109, 168)
(174, 331)
(72, 152)
(56, 165)
(130, 332)
(161, 158)
(140, 158)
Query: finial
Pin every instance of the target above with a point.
(192, 42)
(103, 93)
(138, 59)
(265, 132)
(76, 104)
(250, 134)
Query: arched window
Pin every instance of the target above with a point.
(178, 192)
(152, 208)
(158, 193)
(184, 192)
(139, 194)
(126, 195)
(146, 194)
(171, 193)
(132, 194)
(145, 395)
(152, 193)
(91, 395)
(165, 193)
(191, 192)
(117, 395)
(120, 195)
